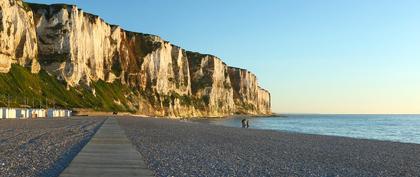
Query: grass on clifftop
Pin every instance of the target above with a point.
(21, 88)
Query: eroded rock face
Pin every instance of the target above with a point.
(264, 101)
(159, 66)
(18, 43)
(161, 72)
(77, 46)
(249, 97)
(80, 48)
(211, 83)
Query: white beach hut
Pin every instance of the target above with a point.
(2, 113)
(42, 113)
(56, 113)
(10, 113)
(23, 113)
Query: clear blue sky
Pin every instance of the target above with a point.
(315, 56)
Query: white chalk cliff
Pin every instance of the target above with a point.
(18, 41)
(80, 48)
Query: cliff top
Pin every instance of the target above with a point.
(240, 69)
(265, 90)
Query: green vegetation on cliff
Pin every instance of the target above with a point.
(20, 88)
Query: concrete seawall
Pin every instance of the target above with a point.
(22, 113)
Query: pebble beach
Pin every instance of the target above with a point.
(45, 147)
(175, 148)
(42, 147)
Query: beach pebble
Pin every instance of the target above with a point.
(174, 148)
(42, 147)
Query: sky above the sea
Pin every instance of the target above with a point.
(314, 56)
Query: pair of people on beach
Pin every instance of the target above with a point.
(245, 123)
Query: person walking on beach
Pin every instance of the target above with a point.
(245, 123)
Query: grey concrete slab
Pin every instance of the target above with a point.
(108, 153)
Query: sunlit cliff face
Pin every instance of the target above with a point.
(18, 42)
(80, 48)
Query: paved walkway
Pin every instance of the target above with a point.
(108, 153)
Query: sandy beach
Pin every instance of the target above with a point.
(175, 148)
(42, 147)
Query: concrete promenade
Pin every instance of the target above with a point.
(108, 153)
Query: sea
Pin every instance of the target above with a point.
(396, 128)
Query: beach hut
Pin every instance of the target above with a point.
(56, 113)
(37, 113)
(42, 113)
(50, 113)
(30, 113)
(2, 113)
(10, 113)
(60, 113)
(67, 113)
(18, 113)
(24, 113)
(33, 113)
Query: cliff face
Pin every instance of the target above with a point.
(211, 83)
(81, 49)
(248, 96)
(264, 102)
(18, 43)
(77, 47)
